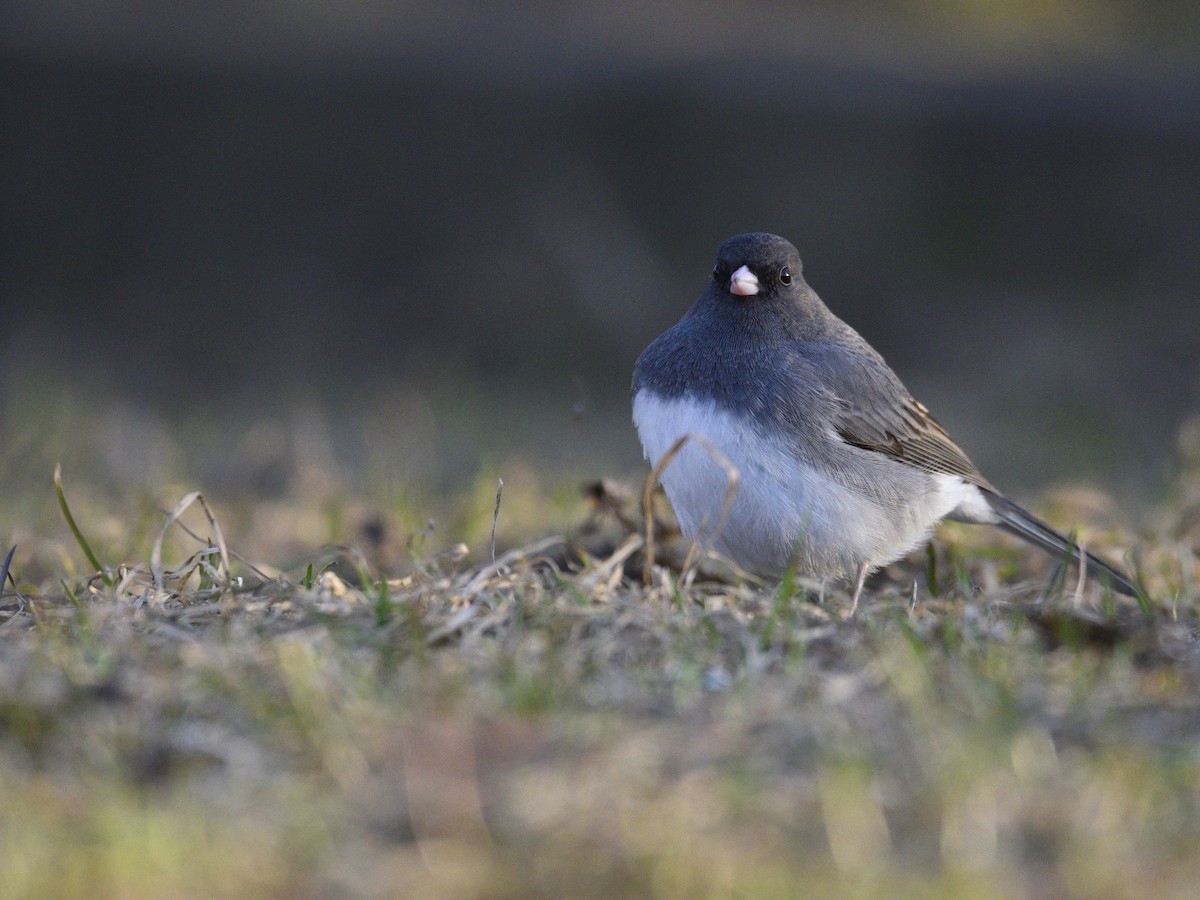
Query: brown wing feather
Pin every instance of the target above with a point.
(912, 436)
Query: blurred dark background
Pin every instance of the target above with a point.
(463, 226)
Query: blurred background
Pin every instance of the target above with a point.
(398, 245)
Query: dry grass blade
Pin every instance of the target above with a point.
(1082, 576)
(607, 574)
(486, 574)
(496, 514)
(233, 554)
(732, 477)
(4, 573)
(217, 536)
(451, 626)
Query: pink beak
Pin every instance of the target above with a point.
(743, 282)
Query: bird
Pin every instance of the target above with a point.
(839, 469)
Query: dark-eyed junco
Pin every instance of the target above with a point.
(841, 469)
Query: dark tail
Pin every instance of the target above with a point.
(1017, 521)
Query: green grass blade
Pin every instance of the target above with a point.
(1141, 595)
(383, 603)
(83, 544)
(71, 595)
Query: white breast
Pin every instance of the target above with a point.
(786, 510)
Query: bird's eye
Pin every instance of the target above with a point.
(717, 272)
(785, 277)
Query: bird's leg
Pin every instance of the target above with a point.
(859, 581)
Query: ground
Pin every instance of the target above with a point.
(186, 719)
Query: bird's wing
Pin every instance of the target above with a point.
(907, 433)
(872, 409)
(876, 412)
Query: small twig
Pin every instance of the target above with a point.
(496, 514)
(732, 478)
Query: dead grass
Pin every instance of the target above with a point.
(216, 724)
